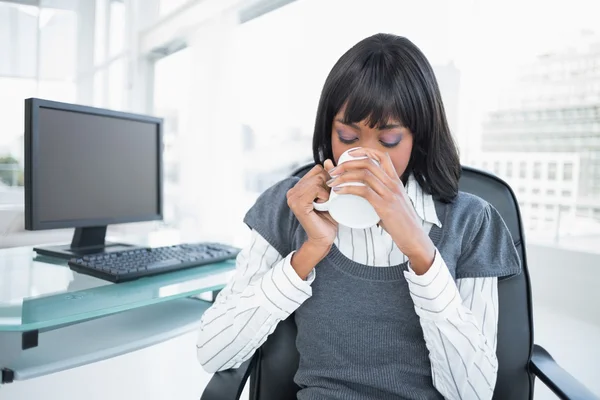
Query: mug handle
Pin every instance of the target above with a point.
(321, 206)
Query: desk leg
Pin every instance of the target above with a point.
(29, 339)
(7, 376)
(215, 293)
(11, 346)
(208, 296)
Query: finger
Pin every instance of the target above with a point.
(363, 176)
(320, 195)
(383, 158)
(316, 170)
(328, 165)
(323, 178)
(362, 191)
(365, 164)
(315, 188)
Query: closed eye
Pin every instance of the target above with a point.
(389, 145)
(346, 138)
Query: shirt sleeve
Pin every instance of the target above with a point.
(459, 322)
(264, 291)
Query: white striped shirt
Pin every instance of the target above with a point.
(459, 319)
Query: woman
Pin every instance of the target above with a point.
(405, 309)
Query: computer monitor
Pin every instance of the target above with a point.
(86, 168)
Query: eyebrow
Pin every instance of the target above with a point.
(381, 128)
(355, 126)
(389, 126)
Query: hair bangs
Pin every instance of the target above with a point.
(377, 95)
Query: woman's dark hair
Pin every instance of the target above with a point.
(387, 77)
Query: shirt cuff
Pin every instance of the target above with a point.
(284, 291)
(434, 293)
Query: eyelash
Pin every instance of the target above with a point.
(384, 144)
(389, 145)
(346, 141)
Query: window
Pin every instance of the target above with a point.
(550, 192)
(522, 169)
(509, 169)
(549, 207)
(568, 172)
(171, 102)
(117, 27)
(116, 85)
(537, 170)
(535, 206)
(100, 37)
(18, 31)
(168, 6)
(536, 191)
(58, 30)
(497, 167)
(11, 158)
(552, 171)
(566, 193)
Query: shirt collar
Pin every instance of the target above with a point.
(422, 202)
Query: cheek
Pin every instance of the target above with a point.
(337, 149)
(400, 157)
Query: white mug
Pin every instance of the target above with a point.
(348, 209)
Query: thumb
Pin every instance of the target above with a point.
(328, 165)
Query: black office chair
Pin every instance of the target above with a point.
(271, 370)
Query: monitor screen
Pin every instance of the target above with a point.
(94, 167)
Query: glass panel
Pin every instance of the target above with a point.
(552, 171)
(172, 77)
(100, 88)
(523, 170)
(568, 172)
(537, 170)
(117, 27)
(167, 6)
(12, 93)
(100, 31)
(58, 30)
(18, 38)
(38, 293)
(116, 84)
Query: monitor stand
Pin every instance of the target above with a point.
(86, 241)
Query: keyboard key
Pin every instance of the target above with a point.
(132, 264)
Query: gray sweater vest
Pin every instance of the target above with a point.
(358, 335)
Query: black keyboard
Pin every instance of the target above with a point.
(133, 264)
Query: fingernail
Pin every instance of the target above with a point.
(336, 189)
(329, 182)
(332, 170)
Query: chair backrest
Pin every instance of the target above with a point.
(278, 357)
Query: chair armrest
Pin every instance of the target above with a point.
(555, 378)
(229, 384)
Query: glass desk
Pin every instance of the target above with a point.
(52, 318)
(41, 293)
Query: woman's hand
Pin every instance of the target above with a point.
(386, 193)
(320, 228)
